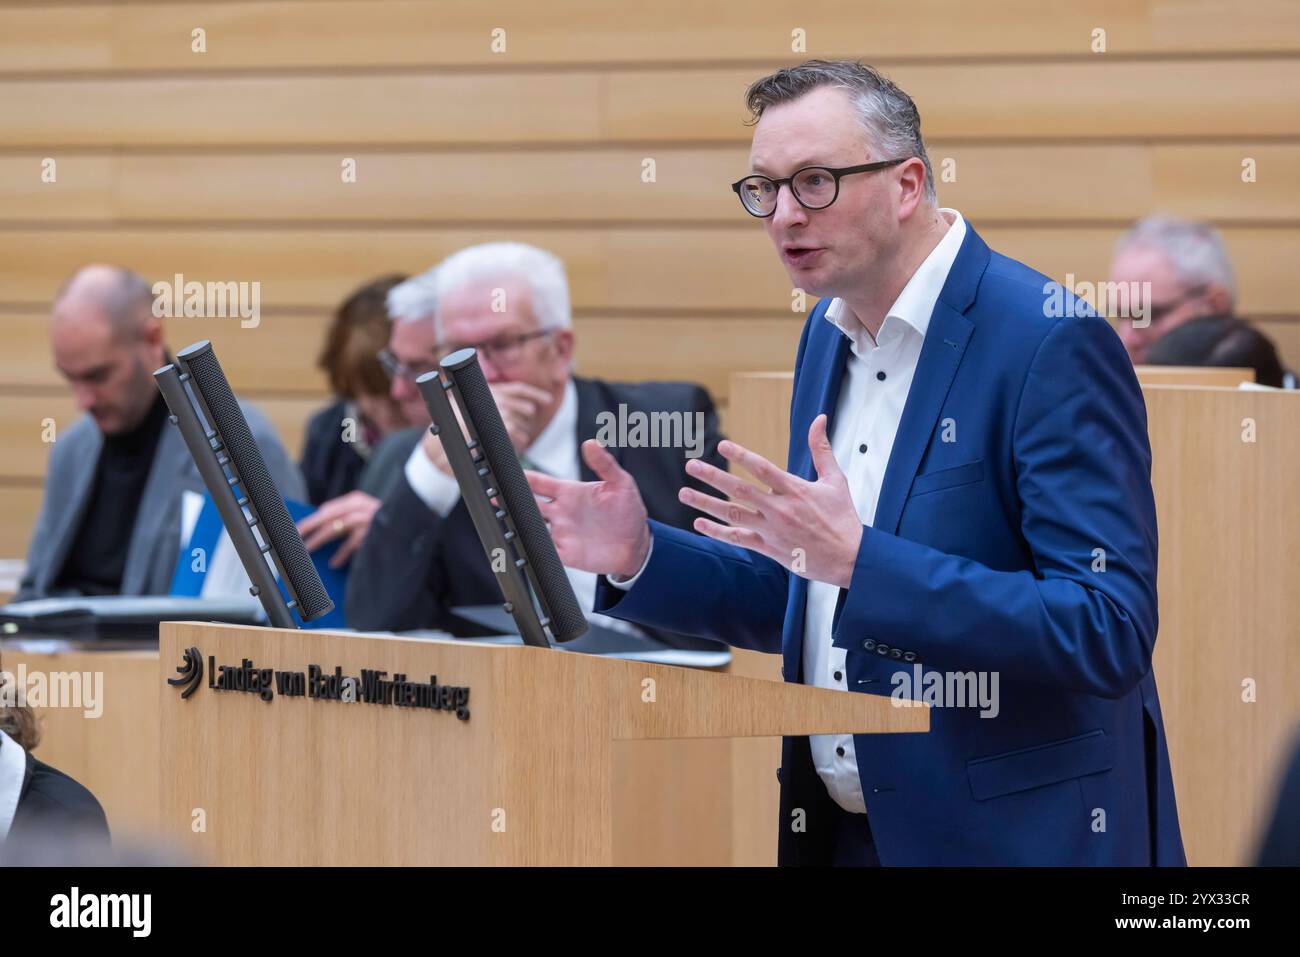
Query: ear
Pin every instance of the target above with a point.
(1219, 300)
(151, 335)
(911, 186)
(563, 342)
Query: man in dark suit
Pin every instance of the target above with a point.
(421, 555)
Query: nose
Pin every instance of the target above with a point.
(788, 210)
(490, 372)
(401, 388)
(85, 397)
(1133, 338)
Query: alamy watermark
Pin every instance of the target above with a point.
(655, 430)
(1114, 300)
(179, 299)
(53, 689)
(947, 689)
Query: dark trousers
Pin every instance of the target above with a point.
(853, 845)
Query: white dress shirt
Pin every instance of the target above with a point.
(555, 452)
(873, 392)
(13, 768)
(877, 378)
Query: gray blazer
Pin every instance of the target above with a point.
(156, 539)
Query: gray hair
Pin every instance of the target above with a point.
(1195, 250)
(497, 263)
(412, 300)
(890, 118)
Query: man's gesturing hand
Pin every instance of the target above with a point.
(811, 528)
(597, 526)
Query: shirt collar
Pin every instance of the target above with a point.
(553, 451)
(13, 769)
(916, 302)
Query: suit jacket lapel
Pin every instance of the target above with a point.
(72, 508)
(834, 355)
(945, 343)
(590, 404)
(941, 354)
(828, 395)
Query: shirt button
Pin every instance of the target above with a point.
(840, 752)
(863, 447)
(880, 376)
(839, 676)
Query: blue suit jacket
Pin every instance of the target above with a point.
(1016, 534)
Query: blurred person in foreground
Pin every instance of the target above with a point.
(509, 301)
(38, 802)
(961, 458)
(110, 519)
(341, 437)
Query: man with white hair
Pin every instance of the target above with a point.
(1189, 272)
(509, 301)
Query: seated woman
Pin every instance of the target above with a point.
(340, 436)
(40, 806)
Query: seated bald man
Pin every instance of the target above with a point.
(110, 520)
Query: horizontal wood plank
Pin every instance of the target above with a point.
(1032, 183)
(611, 271)
(1074, 101)
(279, 356)
(24, 417)
(157, 36)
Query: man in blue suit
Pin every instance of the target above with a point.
(967, 503)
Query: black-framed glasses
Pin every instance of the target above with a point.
(815, 187)
(502, 352)
(396, 369)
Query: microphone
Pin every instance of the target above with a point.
(513, 532)
(227, 457)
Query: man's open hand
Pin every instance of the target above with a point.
(597, 526)
(810, 528)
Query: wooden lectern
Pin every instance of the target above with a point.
(299, 775)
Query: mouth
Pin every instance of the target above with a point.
(800, 256)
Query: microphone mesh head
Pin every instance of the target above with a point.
(278, 528)
(567, 619)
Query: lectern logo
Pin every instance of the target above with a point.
(189, 673)
(320, 684)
